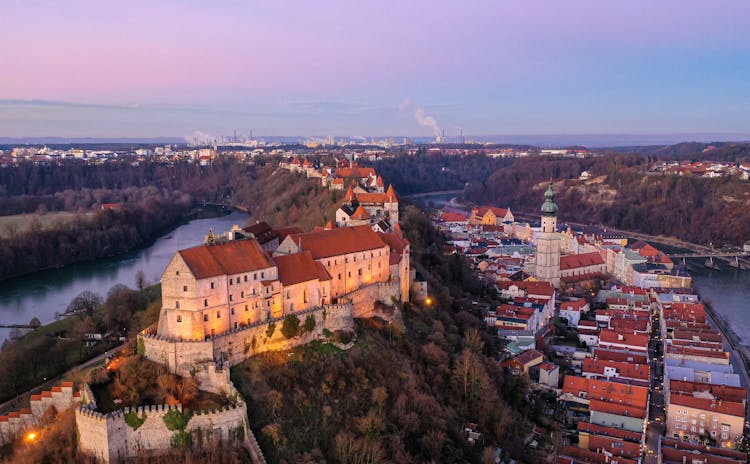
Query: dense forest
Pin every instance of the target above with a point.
(403, 393)
(154, 197)
(695, 151)
(622, 195)
(428, 172)
(283, 198)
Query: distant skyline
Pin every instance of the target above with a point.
(83, 68)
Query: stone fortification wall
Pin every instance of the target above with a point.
(109, 438)
(363, 300)
(58, 399)
(178, 355)
(188, 357)
(236, 346)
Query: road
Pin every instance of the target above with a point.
(22, 400)
(656, 415)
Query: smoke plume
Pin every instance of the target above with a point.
(422, 118)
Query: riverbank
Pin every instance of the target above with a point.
(47, 293)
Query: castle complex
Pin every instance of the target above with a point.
(222, 302)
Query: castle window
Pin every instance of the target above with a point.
(205, 318)
(242, 294)
(355, 258)
(212, 285)
(177, 304)
(218, 314)
(205, 303)
(262, 275)
(329, 263)
(231, 281)
(179, 318)
(246, 278)
(359, 271)
(232, 311)
(339, 276)
(245, 308)
(231, 297)
(177, 273)
(346, 260)
(288, 295)
(184, 288)
(350, 273)
(255, 276)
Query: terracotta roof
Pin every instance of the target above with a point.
(582, 260)
(356, 172)
(617, 409)
(706, 404)
(528, 356)
(228, 258)
(626, 338)
(323, 274)
(374, 198)
(391, 192)
(548, 366)
(574, 305)
(329, 225)
(339, 241)
(624, 369)
(338, 181)
(379, 182)
(597, 429)
(397, 244)
(450, 216)
(296, 268)
(349, 197)
(499, 212)
(360, 213)
(720, 392)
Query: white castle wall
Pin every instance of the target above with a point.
(16, 423)
(109, 438)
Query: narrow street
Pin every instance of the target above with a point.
(656, 416)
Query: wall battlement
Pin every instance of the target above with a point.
(57, 399)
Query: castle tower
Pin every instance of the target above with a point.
(548, 242)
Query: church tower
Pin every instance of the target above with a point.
(548, 242)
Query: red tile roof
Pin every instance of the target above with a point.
(579, 261)
(625, 338)
(725, 407)
(230, 258)
(360, 213)
(574, 305)
(624, 369)
(499, 212)
(450, 216)
(297, 268)
(339, 241)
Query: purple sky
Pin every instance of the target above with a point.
(169, 68)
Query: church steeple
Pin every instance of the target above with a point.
(549, 207)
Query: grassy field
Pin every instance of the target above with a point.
(21, 222)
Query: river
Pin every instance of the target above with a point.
(728, 290)
(45, 293)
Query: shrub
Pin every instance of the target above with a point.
(133, 420)
(290, 327)
(271, 329)
(309, 323)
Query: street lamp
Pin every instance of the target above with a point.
(31, 437)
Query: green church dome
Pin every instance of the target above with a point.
(549, 208)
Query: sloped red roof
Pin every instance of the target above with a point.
(296, 268)
(624, 369)
(339, 241)
(574, 305)
(234, 257)
(451, 216)
(499, 212)
(628, 338)
(579, 261)
(360, 213)
(706, 404)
